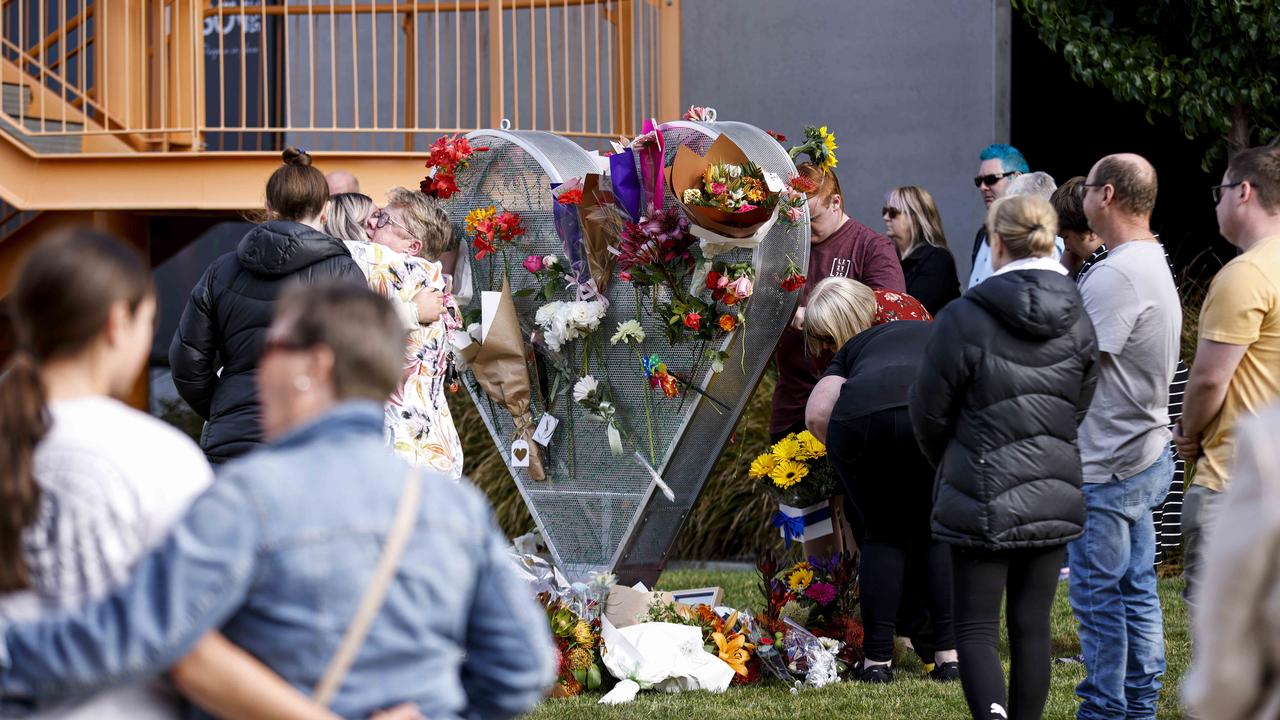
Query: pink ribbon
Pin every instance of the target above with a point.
(587, 291)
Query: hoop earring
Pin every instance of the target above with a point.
(302, 383)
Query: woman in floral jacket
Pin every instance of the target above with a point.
(407, 236)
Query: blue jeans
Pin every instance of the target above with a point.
(1113, 593)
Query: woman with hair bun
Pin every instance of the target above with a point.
(1008, 375)
(214, 354)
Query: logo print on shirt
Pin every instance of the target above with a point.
(840, 267)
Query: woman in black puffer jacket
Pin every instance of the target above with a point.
(1008, 375)
(214, 354)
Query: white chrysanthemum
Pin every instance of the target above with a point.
(547, 312)
(584, 388)
(586, 315)
(628, 331)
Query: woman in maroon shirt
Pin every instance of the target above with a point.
(839, 246)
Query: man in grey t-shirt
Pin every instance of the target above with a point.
(1124, 445)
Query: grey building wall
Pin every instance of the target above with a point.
(913, 89)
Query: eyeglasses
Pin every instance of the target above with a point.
(1217, 189)
(989, 180)
(382, 217)
(1083, 188)
(892, 212)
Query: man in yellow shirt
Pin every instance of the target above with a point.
(1236, 372)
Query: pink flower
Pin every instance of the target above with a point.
(741, 287)
(821, 592)
(718, 188)
(795, 214)
(746, 207)
(533, 263)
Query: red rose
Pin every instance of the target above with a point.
(713, 280)
(692, 320)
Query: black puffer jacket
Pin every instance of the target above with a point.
(224, 323)
(1008, 375)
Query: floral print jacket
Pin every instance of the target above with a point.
(418, 423)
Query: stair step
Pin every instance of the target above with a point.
(46, 144)
(15, 99)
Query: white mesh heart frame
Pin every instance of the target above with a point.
(598, 511)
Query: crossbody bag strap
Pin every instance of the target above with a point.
(375, 593)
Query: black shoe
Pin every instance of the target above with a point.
(946, 672)
(876, 674)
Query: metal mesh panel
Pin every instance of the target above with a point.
(767, 314)
(594, 504)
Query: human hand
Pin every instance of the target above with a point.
(797, 322)
(403, 711)
(1188, 447)
(430, 304)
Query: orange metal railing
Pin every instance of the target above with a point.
(375, 75)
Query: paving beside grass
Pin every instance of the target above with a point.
(911, 695)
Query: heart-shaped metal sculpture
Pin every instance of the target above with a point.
(596, 508)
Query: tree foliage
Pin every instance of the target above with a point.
(1210, 65)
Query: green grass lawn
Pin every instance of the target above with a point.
(911, 695)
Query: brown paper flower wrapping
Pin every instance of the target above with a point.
(598, 218)
(499, 366)
(686, 172)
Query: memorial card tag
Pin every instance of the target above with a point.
(520, 454)
(546, 427)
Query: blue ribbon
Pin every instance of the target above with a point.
(791, 526)
(626, 181)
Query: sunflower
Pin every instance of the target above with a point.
(787, 448)
(800, 578)
(829, 147)
(762, 466)
(788, 473)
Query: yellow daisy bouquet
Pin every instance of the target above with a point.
(795, 470)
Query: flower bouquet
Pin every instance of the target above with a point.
(796, 472)
(577, 641)
(819, 595)
(727, 638)
(727, 196)
(448, 156)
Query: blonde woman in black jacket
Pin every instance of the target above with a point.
(1008, 375)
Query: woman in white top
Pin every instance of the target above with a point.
(88, 484)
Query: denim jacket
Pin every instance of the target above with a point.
(278, 552)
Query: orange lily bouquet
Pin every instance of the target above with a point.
(728, 638)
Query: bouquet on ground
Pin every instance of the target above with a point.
(818, 595)
(578, 644)
(727, 637)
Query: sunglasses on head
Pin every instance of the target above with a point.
(892, 212)
(989, 180)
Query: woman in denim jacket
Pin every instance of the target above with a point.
(279, 551)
